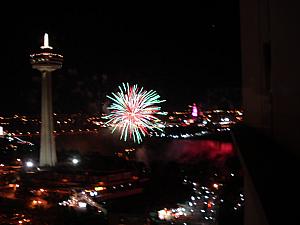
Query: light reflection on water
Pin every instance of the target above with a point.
(181, 151)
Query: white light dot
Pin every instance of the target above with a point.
(29, 164)
(75, 161)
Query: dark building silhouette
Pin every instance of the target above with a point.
(268, 142)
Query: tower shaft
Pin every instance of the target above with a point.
(47, 149)
(46, 61)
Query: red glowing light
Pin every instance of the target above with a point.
(209, 205)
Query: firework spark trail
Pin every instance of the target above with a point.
(133, 112)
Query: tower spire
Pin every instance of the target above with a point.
(46, 42)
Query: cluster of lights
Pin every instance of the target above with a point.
(172, 214)
(223, 129)
(24, 221)
(122, 186)
(14, 186)
(81, 200)
(220, 118)
(15, 218)
(92, 193)
(18, 140)
(216, 117)
(202, 205)
(64, 125)
(239, 203)
(214, 200)
(203, 201)
(100, 188)
(179, 136)
(225, 120)
(36, 202)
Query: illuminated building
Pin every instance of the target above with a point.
(1, 132)
(46, 62)
(194, 110)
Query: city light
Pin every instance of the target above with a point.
(82, 204)
(1, 131)
(216, 186)
(29, 164)
(75, 161)
(194, 110)
(194, 210)
(99, 188)
(81, 200)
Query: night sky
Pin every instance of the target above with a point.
(187, 53)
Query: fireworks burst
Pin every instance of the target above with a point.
(132, 112)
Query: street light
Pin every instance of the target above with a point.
(75, 161)
(29, 164)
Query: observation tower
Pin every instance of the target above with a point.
(47, 61)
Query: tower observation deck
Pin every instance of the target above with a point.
(47, 61)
